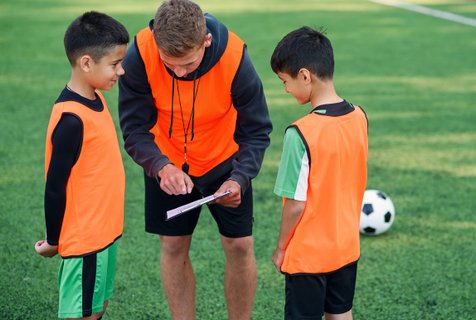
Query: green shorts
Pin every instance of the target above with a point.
(85, 283)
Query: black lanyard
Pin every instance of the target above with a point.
(191, 120)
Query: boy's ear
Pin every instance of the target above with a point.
(85, 63)
(305, 75)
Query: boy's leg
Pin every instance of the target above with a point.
(93, 317)
(340, 293)
(85, 283)
(110, 258)
(100, 314)
(76, 281)
(343, 316)
(304, 296)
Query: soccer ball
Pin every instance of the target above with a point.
(377, 213)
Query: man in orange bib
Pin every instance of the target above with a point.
(322, 178)
(194, 116)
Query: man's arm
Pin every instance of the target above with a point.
(253, 124)
(137, 114)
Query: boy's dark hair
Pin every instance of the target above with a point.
(304, 48)
(93, 33)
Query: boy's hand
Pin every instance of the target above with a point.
(43, 248)
(278, 258)
(174, 181)
(233, 199)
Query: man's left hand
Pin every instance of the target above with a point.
(233, 199)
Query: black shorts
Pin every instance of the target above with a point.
(309, 296)
(232, 222)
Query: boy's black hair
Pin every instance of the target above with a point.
(93, 33)
(304, 48)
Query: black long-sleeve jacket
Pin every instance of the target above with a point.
(138, 114)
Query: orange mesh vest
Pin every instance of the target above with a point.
(94, 213)
(215, 115)
(327, 236)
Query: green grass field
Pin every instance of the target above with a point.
(415, 76)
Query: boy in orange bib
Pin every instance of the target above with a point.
(85, 181)
(322, 179)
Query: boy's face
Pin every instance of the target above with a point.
(299, 87)
(183, 66)
(104, 73)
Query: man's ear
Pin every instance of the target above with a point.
(85, 63)
(305, 75)
(208, 40)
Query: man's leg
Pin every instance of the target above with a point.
(240, 276)
(177, 276)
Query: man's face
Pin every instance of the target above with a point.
(183, 66)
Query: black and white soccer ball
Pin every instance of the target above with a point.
(378, 213)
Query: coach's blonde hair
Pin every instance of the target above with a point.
(179, 27)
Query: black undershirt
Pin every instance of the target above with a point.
(67, 139)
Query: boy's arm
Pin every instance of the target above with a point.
(291, 185)
(66, 140)
(45, 249)
(291, 214)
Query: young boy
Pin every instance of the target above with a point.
(85, 181)
(322, 178)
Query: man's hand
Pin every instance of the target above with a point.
(43, 248)
(174, 181)
(233, 199)
(278, 258)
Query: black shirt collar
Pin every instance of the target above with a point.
(334, 109)
(68, 95)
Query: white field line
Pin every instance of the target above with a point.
(429, 12)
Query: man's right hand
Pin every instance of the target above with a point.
(174, 181)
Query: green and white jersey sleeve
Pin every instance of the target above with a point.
(293, 172)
